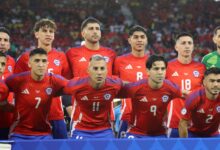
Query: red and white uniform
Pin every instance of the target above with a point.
(33, 101)
(129, 68)
(149, 106)
(79, 57)
(58, 64)
(94, 105)
(187, 77)
(203, 113)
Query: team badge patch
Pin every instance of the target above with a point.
(165, 98)
(49, 91)
(10, 68)
(56, 62)
(107, 96)
(106, 58)
(183, 111)
(196, 73)
(218, 109)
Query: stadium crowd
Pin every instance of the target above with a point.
(162, 19)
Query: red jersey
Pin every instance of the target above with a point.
(33, 101)
(203, 113)
(79, 59)
(7, 117)
(129, 68)
(149, 106)
(94, 105)
(58, 64)
(3, 91)
(188, 77)
(9, 68)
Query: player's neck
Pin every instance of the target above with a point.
(36, 77)
(92, 46)
(218, 50)
(184, 60)
(47, 48)
(137, 54)
(154, 85)
(96, 85)
(211, 96)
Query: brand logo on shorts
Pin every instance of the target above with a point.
(196, 73)
(10, 68)
(218, 109)
(165, 98)
(49, 91)
(107, 96)
(56, 62)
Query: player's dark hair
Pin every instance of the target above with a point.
(137, 28)
(213, 70)
(36, 51)
(89, 20)
(216, 30)
(2, 54)
(154, 58)
(45, 22)
(97, 57)
(5, 30)
(183, 34)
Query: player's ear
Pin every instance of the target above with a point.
(148, 72)
(214, 39)
(36, 35)
(129, 40)
(29, 64)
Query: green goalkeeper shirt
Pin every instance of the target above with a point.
(211, 60)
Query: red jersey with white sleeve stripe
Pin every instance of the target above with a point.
(79, 57)
(94, 105)
(33, 101)
(187, 76)
(58, 64)
(203, 113)
(149, 106)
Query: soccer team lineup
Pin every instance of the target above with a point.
(89, 92)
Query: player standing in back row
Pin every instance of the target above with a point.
(186, 73)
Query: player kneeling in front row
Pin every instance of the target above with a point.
(150, 98)
(33, 92)
(93, 97)
(202, 108)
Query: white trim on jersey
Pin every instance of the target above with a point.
(170, 114)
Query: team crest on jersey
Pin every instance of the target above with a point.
(10, 68)
(49, 91)
(218, 109)
(107, 96)
(165, 98)
(196, 73)
(106, 58)
(183, 111)
(56, 62)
